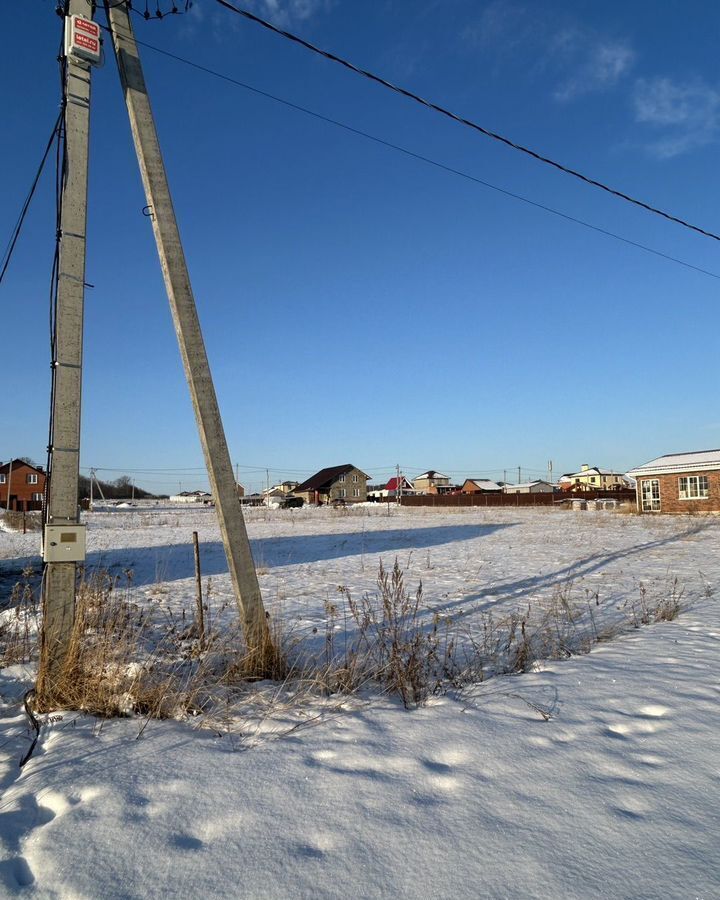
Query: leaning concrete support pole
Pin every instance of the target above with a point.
(189, 335)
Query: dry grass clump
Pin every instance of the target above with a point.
(19, 625)
(395, 646)
(645, 609)
(123, 661)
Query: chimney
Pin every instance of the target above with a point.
(584, 467)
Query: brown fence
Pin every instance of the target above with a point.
(546, 499)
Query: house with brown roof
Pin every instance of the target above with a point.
(342, 483)
(22, 486)
(679, 483)
(480, 486)
(432, 482)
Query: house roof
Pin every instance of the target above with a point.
(325, 477)
(484, 484)
(16, 463)
(527, 484)
(392, 484)
(594, 470)
(679, 462)
(432, 474)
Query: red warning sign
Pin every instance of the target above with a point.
(86, 26)
(82, 39)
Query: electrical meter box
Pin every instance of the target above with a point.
(82, 39)
(64, 543)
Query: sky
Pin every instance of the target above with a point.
(360, 305)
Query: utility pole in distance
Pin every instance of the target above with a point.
(63, 536)
(190, 340)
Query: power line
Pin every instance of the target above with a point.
(467, 122)
(7, 255)
(432, 162)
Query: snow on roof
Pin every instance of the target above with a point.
(594, 470)
(485, 484)
(680, 462)
(524, 484)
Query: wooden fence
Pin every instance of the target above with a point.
(546, 499)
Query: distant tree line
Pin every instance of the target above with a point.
(120, 489)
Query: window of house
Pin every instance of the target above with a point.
(343, 492)
(356, 492)
(650, 495)
(354, 478)
(37, 497)
(693, 487)
(3, 479)
(592, 478)
(341, 478)
(31, 479)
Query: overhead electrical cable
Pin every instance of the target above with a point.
(7, 255)
(429, 161)
(467, 122)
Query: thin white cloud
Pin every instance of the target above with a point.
(289, 12)
(283, 13)
(578, 59)
(503, 25)
(685, 116)
(600, 65)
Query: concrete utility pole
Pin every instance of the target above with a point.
(63, 539)
(189, 335)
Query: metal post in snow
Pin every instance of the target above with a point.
(198, 589)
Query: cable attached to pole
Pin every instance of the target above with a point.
(7, 255)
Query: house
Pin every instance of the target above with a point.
(252, 500)
(679, 483)
(399, 486)
(22, 486)
(390, 490)
(432, 482)
(480, 486)
(592, 478)
(192, 497)
(285, 487)
(344, 483)
(530, 487)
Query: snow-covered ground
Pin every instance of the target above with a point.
(593, 776)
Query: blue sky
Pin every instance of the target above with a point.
(361, 306)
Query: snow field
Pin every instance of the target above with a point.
(594, 776)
